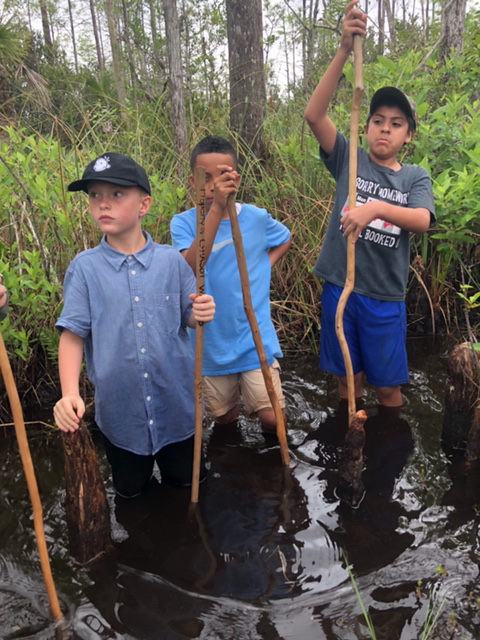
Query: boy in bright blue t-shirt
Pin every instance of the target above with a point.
(230, 362)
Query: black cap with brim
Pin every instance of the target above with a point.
(115, 168)
(393, 96)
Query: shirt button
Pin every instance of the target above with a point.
(150, 422)
(145, 375)
(136, 299)
(139, 325)
(167, 297)
(129, 258)
(149, 398)
(133, 272)
(142, 350)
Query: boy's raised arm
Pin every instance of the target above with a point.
(224, 185)
(70, 408)
(316, 112)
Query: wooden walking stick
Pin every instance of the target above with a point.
(352, 199)
(257, 338)
(27, 463)
(351, 465)
(200, 272)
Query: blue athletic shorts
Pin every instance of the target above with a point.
(376, 332)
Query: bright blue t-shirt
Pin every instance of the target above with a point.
(228, 343)
(132, 311)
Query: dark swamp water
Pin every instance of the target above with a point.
(264, 555)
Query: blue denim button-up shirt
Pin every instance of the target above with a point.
(131, 311)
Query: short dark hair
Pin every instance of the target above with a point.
(213, 144)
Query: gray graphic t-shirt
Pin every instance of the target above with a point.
(382, 250)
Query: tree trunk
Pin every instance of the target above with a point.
(179, 118)
(453, 26)
(247, 78)
(461, 424)
(391, 24)
(153, 27)
(72, 27)
(47, 36)
(128, 45)
(86, 507)
(381, 27)
(116, 53)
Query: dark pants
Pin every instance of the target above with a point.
(131, 472)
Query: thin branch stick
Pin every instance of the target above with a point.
(352, 199)
(200, 272)
(31, 480)
(432, 314)
(257, 338)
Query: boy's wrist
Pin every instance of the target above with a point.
(216, 210)
(344, 51)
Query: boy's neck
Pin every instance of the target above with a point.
(389, 163)
(130, 244)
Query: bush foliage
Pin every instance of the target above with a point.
(43, 227)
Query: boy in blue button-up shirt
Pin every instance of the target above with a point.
(128, 302)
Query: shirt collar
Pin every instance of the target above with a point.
(116, 258)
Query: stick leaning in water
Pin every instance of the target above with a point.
(352, 199)
(21, 434)
(247, 303)
(198, 381)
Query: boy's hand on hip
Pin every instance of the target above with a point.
(68, 412)
(356, 219)
(203, 307)
(354, 23)
(224, 185)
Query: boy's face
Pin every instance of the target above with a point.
(117, 210)
(215, 164)
(387, 132)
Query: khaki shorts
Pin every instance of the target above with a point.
(222, 393)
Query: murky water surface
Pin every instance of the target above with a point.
(265, 554)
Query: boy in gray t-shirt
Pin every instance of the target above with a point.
(392, 201)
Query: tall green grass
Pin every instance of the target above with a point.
(42, 227)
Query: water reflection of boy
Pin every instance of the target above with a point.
(248, 514)
(368, 533)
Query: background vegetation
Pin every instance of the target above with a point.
(58, 111)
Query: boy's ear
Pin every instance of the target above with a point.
(145, 206)
(365, 128)
(191, 181)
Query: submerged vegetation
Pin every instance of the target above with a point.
(50, 132)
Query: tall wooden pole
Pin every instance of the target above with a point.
(27, 463)
(352, 199)
(257, 338)
(198, 381)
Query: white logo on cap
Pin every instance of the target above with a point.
(101, 164)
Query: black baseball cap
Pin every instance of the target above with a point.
(115, 168)
(393, 96)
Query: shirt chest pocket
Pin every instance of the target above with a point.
(167, 313)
